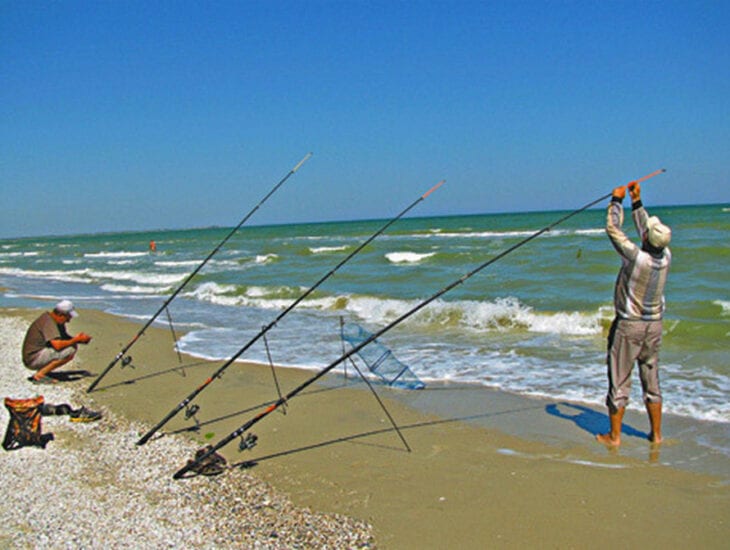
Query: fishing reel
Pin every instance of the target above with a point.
(212, 465)
(247, 442)
(190, 412)
(127, 361)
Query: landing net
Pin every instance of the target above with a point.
(380, 360)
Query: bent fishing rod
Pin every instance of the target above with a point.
(249, 440)
(194, 273)
(217, 374)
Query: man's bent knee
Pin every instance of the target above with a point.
(48, 355)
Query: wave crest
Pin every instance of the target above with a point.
(408, 257)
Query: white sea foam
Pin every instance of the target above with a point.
(181, 263)
(503, 234)
(272, 292)
(724, 304)
(18, 254)
(266, 258)
(500, 315)
(115, 254)
(266, 298)
(74, 276)
(474, 234)
(475, 316)
(137, 277)
(136, 289)
(700, 394)
(214, 293)
(326, 249)
(408, 257)
(96, 276)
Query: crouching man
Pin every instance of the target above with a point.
(48, 345)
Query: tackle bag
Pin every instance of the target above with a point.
(24, 426)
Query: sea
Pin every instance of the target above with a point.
(533, 322)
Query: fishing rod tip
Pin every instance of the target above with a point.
(427, 193)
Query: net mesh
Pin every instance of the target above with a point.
(380, 360)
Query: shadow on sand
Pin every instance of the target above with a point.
(589, 420)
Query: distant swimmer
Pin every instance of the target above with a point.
(153, 246)
(636, 332)
(48, 345)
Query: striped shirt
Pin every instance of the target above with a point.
(639, 291)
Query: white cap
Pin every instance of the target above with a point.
(657, 233)
(66, 307)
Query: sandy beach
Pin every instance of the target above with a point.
(484, 469)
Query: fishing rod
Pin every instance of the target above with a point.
(249, 440)
(193, 274)
(217, 374)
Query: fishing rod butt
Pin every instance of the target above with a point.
(93, 385)
(181, 472)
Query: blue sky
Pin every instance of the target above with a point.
(142, 115)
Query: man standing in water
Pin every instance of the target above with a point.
(48, 345)
(636, 332)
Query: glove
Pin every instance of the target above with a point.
(635, 191)
(619, 193)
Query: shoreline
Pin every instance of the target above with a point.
(485, 468)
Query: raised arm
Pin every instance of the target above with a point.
(614, 222)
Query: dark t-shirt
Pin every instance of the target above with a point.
(40, 333)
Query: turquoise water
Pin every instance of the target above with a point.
(533, 323)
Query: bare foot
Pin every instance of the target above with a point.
(606, 439)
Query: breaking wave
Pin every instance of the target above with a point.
(408, 257)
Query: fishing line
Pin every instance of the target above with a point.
(263, 331)
(193, 274)
(382, 405)
(192, 464)
(273, 370)
(174, 338)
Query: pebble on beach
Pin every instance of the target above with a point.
(92, 487)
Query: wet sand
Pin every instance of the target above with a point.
(485, 469)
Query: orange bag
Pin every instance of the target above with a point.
(24, 427)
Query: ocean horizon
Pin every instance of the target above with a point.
(253, 223)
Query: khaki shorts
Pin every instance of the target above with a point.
(630, 342)
(46, 355)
